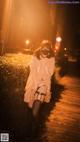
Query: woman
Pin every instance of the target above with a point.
(37, 89)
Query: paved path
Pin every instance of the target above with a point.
(63, 123)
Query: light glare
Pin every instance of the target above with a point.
(27, 42)
(58, 39)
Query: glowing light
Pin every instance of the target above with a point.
(45, 41)
(58, 39)
(65, 49)
(57, 47)
(27, 42)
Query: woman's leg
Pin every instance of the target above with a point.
(36, 108)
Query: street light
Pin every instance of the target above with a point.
(57, 44)
(58, 39)
(28, 46)
(65, 49)
(27, 42)
(57, 47)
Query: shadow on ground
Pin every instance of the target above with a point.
(56, 90)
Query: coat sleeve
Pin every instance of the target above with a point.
(32, 81)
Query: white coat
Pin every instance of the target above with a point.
(39, 79)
